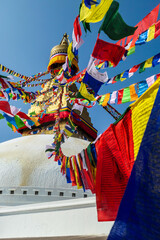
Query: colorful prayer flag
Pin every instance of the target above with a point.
(108, 51)
(96, 13)
(113, 24)
(95, 79)
(83, 93)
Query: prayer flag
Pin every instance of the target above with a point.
(126, 95)
(151, 33)
(19, 122)
(113, 97)
(120, 96)
(101, 99)
(96, 13)
(150, 80)
(70, 54)
(1, 116)
(10, 119)
(156, 60)
(86, 26)
(107, 97)
(95, 79)
(115, 158)
(76, 34)
(113, 24)
(141, 67)
(157, 29)
(142, 38)
(142, 87)
(83, 93)
(133, 93)
(131, 51)
(78, 107)
(5, 107)
(88, 3)
(148, 63)
(108, 51)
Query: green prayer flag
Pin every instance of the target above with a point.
(141, 68)
(131, 51)
(3, 76)
(19, 122)
(102, 99)
(113, 24)
(118, 77)
(110, 64)
(86, 26)
(126, 95)
(1, 116)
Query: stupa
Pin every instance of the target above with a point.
(35, 200)
(26, 156)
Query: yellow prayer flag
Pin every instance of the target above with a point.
(70, 53)
(68, 162)
(148, 63)
(69, 134)
(76, 175)
(79, 163)
(95, 13)
(121, 78)
(83, 91)
(151, 32)
(139, 121)
(106, 99)
(133, 93)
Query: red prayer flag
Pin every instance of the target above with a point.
(5, 107)
(108, 51)
(72, 175)
(157, 29)
(4, 84)
(115, 158)
(92, 185)
(23, 115)
(77, 29)
(120, 96)
(134, 68)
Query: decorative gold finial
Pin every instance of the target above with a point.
(58, 56)
(65, 40)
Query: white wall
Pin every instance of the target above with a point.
(63, 218)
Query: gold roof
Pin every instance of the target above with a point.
(62, 47)
(58, 56)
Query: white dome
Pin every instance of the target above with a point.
(24, 163)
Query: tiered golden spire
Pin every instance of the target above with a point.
(48, 102)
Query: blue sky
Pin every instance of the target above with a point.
(30, 28)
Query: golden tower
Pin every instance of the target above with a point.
(46, 105)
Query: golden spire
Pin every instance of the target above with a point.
(58, 56)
